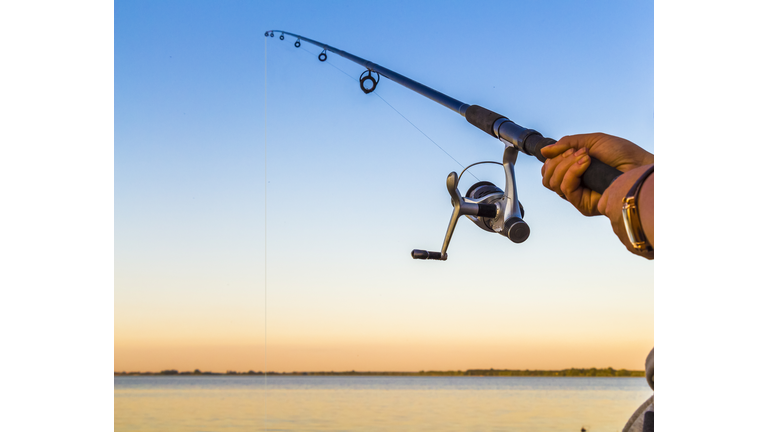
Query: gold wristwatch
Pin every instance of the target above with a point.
(632, 215)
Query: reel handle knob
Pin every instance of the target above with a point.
(428, 255)
(422, 254)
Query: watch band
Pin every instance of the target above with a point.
(632, 216)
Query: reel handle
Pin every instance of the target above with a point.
(460, 208)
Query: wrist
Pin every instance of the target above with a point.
(631, 214)
(648, 160)
(612, 202)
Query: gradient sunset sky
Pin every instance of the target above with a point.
(352, 187)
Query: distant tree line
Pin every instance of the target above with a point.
(195, 372)
(572, 372)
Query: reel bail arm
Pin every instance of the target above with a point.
(514, 227)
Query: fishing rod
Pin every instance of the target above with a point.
(485, 204)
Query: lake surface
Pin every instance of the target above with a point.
(370, 404)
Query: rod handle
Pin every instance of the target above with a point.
(597, 177)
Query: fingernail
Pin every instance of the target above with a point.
(567, 152)
(581, 151)
(582, 160)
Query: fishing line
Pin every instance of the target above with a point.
(264, 405)
(401, 115)
(433, 142)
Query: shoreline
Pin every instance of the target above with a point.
(573, 372)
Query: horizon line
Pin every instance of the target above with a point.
(609, 371)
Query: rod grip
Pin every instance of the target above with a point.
(482, 118)
(426, 255)
(597, 177)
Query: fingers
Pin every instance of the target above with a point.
(585, 200)
(562, 168)
(602, 204)
(555, 149)
(575, 142)
(550, 168)
(554, 169)
(562, 174)
(565, 143)
(571, 181)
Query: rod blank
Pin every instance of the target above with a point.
(443, 99)
(597, 177)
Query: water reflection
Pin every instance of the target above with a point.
(318, 403)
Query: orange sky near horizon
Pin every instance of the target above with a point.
(537, 328)
(540, 333)
(341, 326)
(460, 355)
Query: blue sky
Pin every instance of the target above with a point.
(353, 187)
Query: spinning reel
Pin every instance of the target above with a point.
(487, 206)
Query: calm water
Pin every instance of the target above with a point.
(372, 404)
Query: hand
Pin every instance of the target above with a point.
(569, 158)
